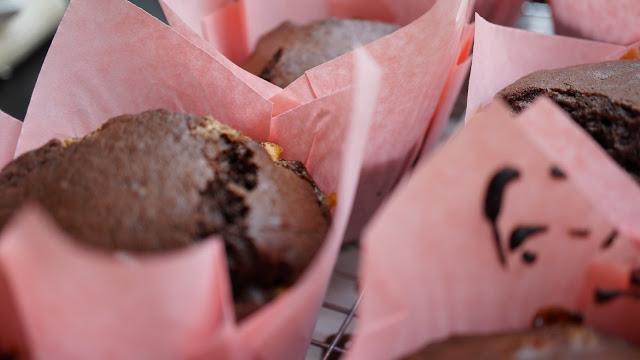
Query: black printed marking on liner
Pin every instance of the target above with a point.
(529, 257)
(493, 203)
(4, 355)
(603, 296)
(580, 233)
(522, 233)
(557, 173)
(609, 240)
(634, 277)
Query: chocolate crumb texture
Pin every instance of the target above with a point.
(603, 98)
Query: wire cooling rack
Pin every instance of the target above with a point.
(338, 316)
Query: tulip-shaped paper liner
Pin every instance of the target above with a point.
(503, 55)
(125, 61)
(520, 53)
(617, 288)
(455, 82)
(603, 20)
(492, 228)
(9, 130)
(416, 61)
(76, 303)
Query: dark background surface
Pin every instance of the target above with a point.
(16, 91)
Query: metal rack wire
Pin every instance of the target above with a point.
(334, 346)
(338, 315)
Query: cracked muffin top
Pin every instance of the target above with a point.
(603, 98)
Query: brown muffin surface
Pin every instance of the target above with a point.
(157, 181)
(554, 342)
(602, 98)
(284, 54)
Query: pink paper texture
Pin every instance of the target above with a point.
(431, 264)
(113, 303)
(415, 71)
(445, 108)
(9, 131)
(178, 305)
(521, 53)
(614, 318)
(83, 80)
(604, 20)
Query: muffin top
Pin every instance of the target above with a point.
(603, 98)
(284, 54)
(159, 180)
(554, 342)
(618, 81)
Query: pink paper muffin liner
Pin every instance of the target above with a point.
(520, 53)
(416, 61)
(604, 20)
(439, 259)
(61, 300)
(8, 137)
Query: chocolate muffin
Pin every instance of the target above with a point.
(158, 181)
(555, 342)
(604, 99)
(555, 334)
(284, 54)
